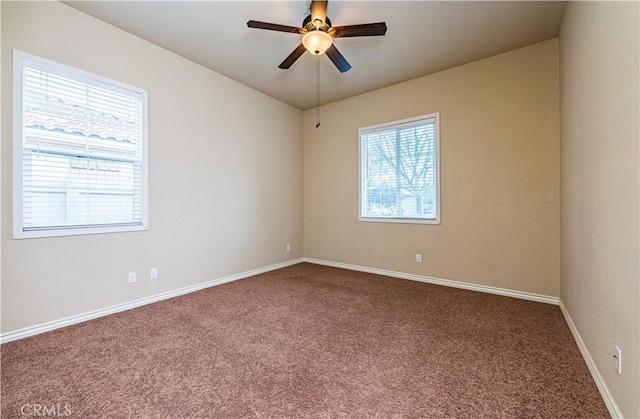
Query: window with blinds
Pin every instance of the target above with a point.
(399, 171)
(79, 151)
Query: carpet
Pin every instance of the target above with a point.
(308, 341)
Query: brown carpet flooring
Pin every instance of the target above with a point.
(309, 341)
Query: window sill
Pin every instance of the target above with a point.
(435, 221)
(19, 235)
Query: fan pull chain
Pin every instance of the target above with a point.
(317, 91)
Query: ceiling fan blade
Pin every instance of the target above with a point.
(365, 29)
(297, 53)
(337, 59)
(274, 27)
(318, 10)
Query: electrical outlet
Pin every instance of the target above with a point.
(419, 257)
(153, 273)
(132, 277)
(288, 247)
(617, 356)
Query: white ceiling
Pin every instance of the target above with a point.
(423, 37)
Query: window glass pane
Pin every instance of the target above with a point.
(399, 171)
(82, 141)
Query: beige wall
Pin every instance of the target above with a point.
(600, 114)
(499, 175)
(225, 170)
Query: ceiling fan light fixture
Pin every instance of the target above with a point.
(317, 42)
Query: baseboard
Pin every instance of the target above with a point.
(437, 281)
(609, 401)
(68, 321)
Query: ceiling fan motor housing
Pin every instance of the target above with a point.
(309, 25)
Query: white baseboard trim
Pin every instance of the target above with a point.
(68, 321)
(437, 281)
(609, 401)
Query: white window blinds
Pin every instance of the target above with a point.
(399, 171)
(79, 149)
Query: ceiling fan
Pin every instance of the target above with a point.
(319, 33)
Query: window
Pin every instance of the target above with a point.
(399, 171)
(79, 152)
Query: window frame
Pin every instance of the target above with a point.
(391, 124)
(19, 58)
